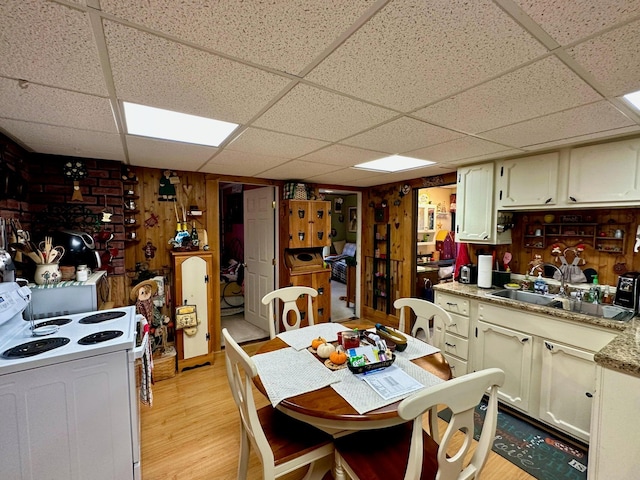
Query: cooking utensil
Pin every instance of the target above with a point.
(55, 254)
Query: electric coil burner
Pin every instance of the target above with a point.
(30, 349)
(100, 337)
(54, 321)
(102, 317)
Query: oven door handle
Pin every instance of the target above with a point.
(141, 350)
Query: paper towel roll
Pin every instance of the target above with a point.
(485, 267)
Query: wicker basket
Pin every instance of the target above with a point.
(164, 366)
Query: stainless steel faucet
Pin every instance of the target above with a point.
(563, 289)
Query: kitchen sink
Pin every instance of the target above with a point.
(526, 297)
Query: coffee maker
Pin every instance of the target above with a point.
(627, 291)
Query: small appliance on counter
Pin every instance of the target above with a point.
(627, 291)
(468, 274)
(80, 249)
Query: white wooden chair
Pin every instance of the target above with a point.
(407, 452)
(288, 296)
(425, 311)
(282, 443)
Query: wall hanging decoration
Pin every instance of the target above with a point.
(353, 219)
(75, 170)
(337, 204)
(167, 190)
(405, 189)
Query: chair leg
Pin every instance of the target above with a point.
(243, 461)
(319, 468)
(338, 471)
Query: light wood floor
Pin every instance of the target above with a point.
(192, 431)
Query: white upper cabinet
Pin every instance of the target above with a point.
(528, 182)
(476, 215)
(606, 173)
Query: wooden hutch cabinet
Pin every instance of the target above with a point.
(305, 228)
(193, 285)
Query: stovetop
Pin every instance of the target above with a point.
(65, 338)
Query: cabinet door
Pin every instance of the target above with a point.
(322, 303)
(566, 388)
(512, 351)
(618, 162)
(309, 224)
(475, 203)
(530, 181)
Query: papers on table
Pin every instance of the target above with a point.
(287, 373)
(391, 382)
(300, 338)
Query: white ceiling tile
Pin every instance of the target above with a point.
(230, 162)
(55, 106)
(544, 87)
(284, 34)
(612, 58)
(314, 113)
(568, 22)
(297, 169)
(402, 135)
(598, 117)
(65, 141)
(342, 155)
(160, 73)
(609, 134)
(48, 43)
(414, 52)
(467, 147)
(149, 152)
(273, 143)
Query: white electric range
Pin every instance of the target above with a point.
(69, 404)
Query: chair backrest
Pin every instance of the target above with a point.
(240, 373)
(288, 296)
(424, 311)
(461, 395)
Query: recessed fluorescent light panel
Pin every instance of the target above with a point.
(180, 127)
(395, 163)
(634, 99)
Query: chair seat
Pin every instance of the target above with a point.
(369, 456)
(288, 437)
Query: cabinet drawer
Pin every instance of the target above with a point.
(459, 325)
(453, 303)
(455, 345)
(458, 367)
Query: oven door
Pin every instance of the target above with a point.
(137, 357)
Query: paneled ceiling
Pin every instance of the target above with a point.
(318, 86)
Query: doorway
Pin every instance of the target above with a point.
(345, 244)
(239, 295)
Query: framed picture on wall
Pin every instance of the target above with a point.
(353, 219)
(337, 204)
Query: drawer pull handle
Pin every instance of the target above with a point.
(453, 324)
(524, 340)
(452, 345)
(451, 304)
(589, 394)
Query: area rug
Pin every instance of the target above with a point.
(535, 451)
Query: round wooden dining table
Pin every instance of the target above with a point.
(326, 409)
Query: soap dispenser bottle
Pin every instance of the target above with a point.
(540, 286)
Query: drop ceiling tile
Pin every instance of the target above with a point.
(315, 113)
(285, 35)
(575, 141)
(230, 162)
(49, 43)
(299, 170)
(589, 119)
(160, 73)
(612, 58)
(342, 155)
(415, 52)
(458, 149)
(568, 22)
(274, 144)
(55, 107)
(350, 176)
(544, 87)
(154, 153)
(402, 135)
(65, 141)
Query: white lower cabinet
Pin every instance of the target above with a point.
(512, 351)
(548, 363)
(567, 385)
(455, 347)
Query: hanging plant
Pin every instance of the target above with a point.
(75, 170)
